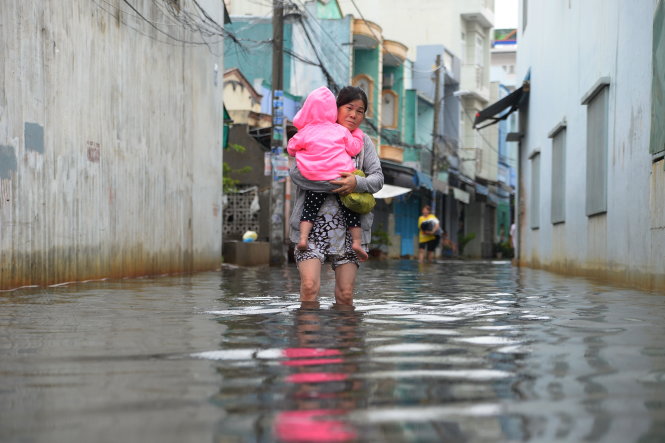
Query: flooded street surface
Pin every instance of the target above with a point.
(452, 351)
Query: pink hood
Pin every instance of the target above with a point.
(320, 107)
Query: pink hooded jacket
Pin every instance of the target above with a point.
(322, 147)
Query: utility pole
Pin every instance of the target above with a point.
(277, 250)
(435, 130)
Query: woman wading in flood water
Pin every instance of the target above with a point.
(329, 239)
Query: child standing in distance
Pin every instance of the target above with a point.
(323, 148)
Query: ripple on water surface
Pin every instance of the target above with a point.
(458, 350)
(451, 351)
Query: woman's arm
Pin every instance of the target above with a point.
(373, 182)
(310, 185)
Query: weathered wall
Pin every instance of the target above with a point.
(595, 39)
(110, 143)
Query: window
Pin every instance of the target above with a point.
(366, 83)
(480, 45)
(534, 205)
(596, 153)
(657, 143)
(389, 105)
(559, 176)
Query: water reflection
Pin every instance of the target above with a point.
(303, 389)
(323, 363)
(462, 352)
(453, 351)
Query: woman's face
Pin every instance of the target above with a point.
(351, 114)
(425, 212)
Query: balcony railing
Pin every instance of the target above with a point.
(473, 80)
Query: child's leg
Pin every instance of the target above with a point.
(352, 220)
(313, 202)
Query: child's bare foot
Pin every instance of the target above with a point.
(302, 245)
(360, 252)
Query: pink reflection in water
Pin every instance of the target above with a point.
(309, 352)
(313, 361)
(311, 426)
(316, 377)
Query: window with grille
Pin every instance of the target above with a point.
(240, 213)
(389, 109)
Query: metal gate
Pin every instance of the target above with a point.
(241, 212)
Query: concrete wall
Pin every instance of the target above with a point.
(595, 38)
(113, 141)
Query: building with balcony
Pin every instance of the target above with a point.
(462, 29)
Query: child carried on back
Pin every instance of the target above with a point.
(323, 148)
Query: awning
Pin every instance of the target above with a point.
(390, 191)
(462, 196)
(398, 175)
(482, 190)
(423, 180)
(495, 112)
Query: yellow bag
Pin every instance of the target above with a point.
(360, 202)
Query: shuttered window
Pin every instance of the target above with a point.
(559, 176)
(596, 161)
(535, 191)
(657, 144)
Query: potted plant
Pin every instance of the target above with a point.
(464, 240)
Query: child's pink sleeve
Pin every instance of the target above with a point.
(355, 142)
(294, 145)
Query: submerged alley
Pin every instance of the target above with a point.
(449, 351)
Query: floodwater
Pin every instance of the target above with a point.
(450, 351)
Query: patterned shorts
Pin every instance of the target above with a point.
(329, 230)
(334, 260)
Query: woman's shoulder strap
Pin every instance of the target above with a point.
(360, 158)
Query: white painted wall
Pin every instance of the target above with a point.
(128, 180)
(504, 66)
(568, 46)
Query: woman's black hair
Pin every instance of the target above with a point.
(350, 93)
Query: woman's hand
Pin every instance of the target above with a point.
(347, 184)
